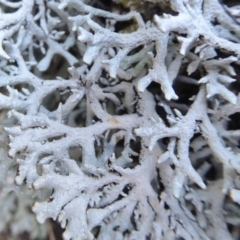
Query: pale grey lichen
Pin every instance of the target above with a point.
(123, 157)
